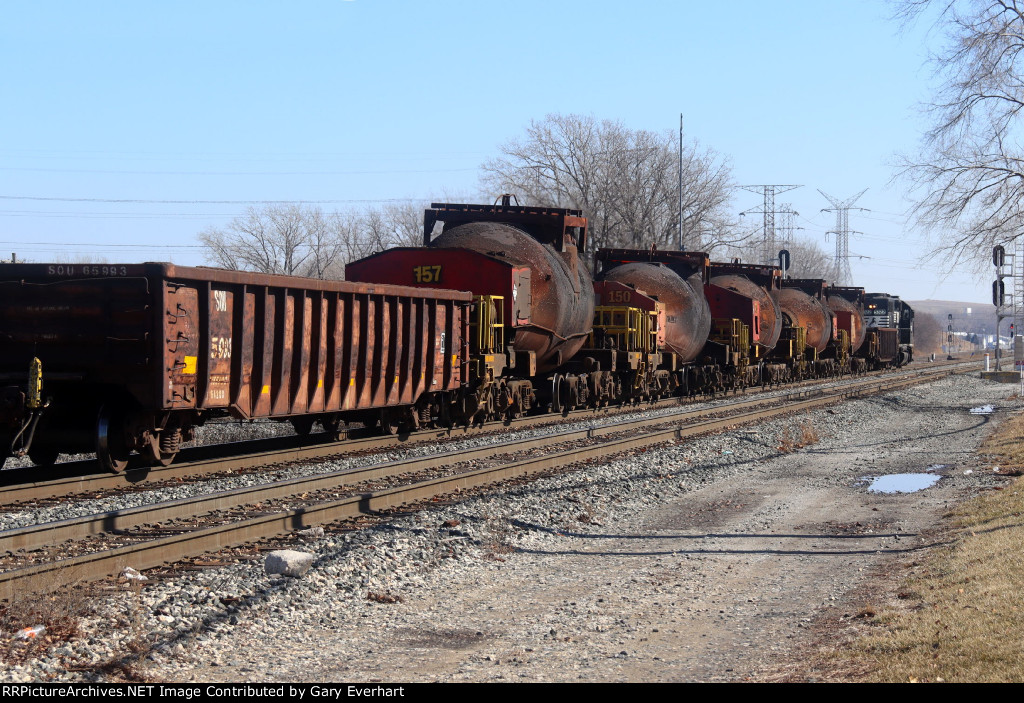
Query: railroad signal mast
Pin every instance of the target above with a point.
(949, 336)
(1009, 303)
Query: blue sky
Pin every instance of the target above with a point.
(193, 109)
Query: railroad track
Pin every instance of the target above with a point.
(153, 535)
(23, 485)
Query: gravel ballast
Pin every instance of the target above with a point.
(697, 561)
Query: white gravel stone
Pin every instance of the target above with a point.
(405, 599)
(288, 562)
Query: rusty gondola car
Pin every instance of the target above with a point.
(129, 358)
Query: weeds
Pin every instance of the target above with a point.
(387, 598)
(793, 438)
(59, 612)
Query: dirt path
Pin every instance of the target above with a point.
(718, 583)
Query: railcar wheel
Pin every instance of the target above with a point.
(444, 414)
(303, 425)
(42, 456)
(111, 448)
(389, 422)
(568, 395)
(556, 393)
(154, 457)
(161, 450)
(515, 409)
(331, 425)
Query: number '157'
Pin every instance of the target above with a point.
(427, 274)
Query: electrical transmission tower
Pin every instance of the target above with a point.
(785, 229)
(841, 274)
(768, 249)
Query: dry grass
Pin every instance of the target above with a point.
(1005, 447)
(60, 613)
(961, 617)
(793, 438)
(386, 598)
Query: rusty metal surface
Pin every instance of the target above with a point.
(685, 263)
(768, 277)
(771, 314)
(849, 300)
(562, 300)
(282, 350)
(803, 310)
(687, 315)
(257, 345)
(560, 228)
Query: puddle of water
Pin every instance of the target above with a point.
(902, 483)
(983, 410)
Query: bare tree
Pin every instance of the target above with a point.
(405, 221)
(393, 225)
(349, 235)
(809, 260)
(272, 240)
(806, 258)
(307, 242)
(969, 174)
(326, 247)
(625, 181)
(927, 334)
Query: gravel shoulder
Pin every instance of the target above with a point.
(702, 561)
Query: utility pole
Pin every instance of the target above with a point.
(681, 248)
(768, 249)
(842, 275)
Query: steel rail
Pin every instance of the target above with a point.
(163, 550)
(45, 534)
(77, 484)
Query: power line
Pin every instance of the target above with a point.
(140, 201)
(118, 215)
(234, 173)
(239, 156)
(87, 244)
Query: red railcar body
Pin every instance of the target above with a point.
(758, 283)
(456, 269)
(847, 303)
(728, 304)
